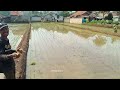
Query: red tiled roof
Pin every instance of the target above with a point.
(78, 13)
(16, 13)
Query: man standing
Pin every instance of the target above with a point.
(7, 64)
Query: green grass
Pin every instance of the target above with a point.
(33, 63)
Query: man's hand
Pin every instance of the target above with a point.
(15, 55)
(19, 50)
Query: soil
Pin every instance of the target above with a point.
(21, 61)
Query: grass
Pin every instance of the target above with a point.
(33, 63)
(109, 31)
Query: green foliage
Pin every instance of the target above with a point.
(87, 21)
(99, 21)
(110, 16)
(116, 22)
(5, 13)
(65, 13)
(109, 22)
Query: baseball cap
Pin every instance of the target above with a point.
(2, 25)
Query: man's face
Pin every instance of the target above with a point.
(4, 31)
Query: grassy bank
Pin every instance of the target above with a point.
(101, 25)
(108, 31)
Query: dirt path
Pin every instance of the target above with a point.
(19, 38)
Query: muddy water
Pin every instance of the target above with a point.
(62, 52)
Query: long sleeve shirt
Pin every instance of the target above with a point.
(5, 49)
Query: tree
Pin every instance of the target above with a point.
(5, 13)
(110, 16)
(104, 12)
(65, 13)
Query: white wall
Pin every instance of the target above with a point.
(67, 20)
(36, 19)
(73, 20)
(76, 20)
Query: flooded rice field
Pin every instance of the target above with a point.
(16, 32)
(61, 52)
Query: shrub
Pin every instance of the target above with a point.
(116, 22)
(109, 22)
(102, 21)
(87, 21)
(95, 21)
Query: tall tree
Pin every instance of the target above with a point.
(65, 13)
(110, 16)
(5, 13)
(104, 12)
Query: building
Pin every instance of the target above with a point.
(20, 16)
(52, 16)
(80, 14)
(77, 17)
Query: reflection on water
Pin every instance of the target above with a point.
(100, 41)
(97, 38)
(16, 32)
(77, 53)
(18, 29)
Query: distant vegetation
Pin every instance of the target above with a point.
(5, 13)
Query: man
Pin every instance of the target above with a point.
(7, 64)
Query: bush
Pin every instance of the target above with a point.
(109, 22)
(93, 21)
(87, 21)
(110, 16)
(98, 21)
(103, 21)
(116, 22)
(106, 17)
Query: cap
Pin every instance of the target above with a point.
(2, 25)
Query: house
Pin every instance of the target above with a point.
(4, 16)
(77, 16)
(36, 19)
(52, 16)
(116, 16)
(15, 16)
(20, 16)
(94, 16)
(80, 14)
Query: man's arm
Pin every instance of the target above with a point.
(5, 57)
(10, 51)
(9, 56)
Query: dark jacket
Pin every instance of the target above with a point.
(5, 49)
